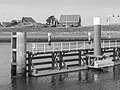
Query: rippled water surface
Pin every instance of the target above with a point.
(82, 80)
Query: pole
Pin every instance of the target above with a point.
(97, 36)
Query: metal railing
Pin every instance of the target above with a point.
(62, 46)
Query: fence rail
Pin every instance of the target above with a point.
(62, 46)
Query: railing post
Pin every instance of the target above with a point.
(53, 47)
(69, 46)
(109, 43)
(103, 44)
(35, 47)
(84, 44)
(44, 47)
(76, 45)
(115, 43)
(61, 46)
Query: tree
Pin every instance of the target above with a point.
(52, 21)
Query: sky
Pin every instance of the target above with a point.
(40, 10)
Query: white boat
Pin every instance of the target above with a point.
(99, 62)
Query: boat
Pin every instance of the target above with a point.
(99, 61)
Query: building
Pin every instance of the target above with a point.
(70, 20)
(26, 22)
(28, 19)
(5, 24)
(15, 22)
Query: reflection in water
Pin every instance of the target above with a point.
(18, 83)
(87, 79)
(116, 72)
(81, 80)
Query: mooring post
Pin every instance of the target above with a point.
(79, 55)
(29, 63)
(114, 54)
(60, 59)
(97, 36)
(18, 56)
(53, 60)
(119, 52)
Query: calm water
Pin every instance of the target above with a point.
(82, 80)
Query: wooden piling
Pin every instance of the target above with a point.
(60, 59)
(87, 60)
(79, 60)
(114, 55)
(119, 52)
(53, 58)
(29, 63)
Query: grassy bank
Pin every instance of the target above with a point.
(56, 39)
(61, 34)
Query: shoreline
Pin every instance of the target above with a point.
(56, 39)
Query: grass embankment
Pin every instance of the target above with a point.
(61, 34)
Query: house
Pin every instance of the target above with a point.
(70, 20)
(15, 22)
(26, 22)
(5, 24)
(28, 19)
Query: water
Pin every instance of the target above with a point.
(82, 80)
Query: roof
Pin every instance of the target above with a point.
(69, 18)
(27, 19)
(6, 24)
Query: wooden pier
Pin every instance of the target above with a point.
(38, 59)
(72, 56)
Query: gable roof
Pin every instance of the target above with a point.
(69, 18)
(27, 19)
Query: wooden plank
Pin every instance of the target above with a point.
(71, 60)
(73, 65)
(40, 69)
(107, 51)
(42, 57)
(71, 54)
(56, 71)
(42, 63)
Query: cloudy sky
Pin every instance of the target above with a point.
(41, 9)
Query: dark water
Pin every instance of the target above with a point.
(82, 80)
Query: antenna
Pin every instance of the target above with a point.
(66, 19)
(3, 17)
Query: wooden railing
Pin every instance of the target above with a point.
(62, 46)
